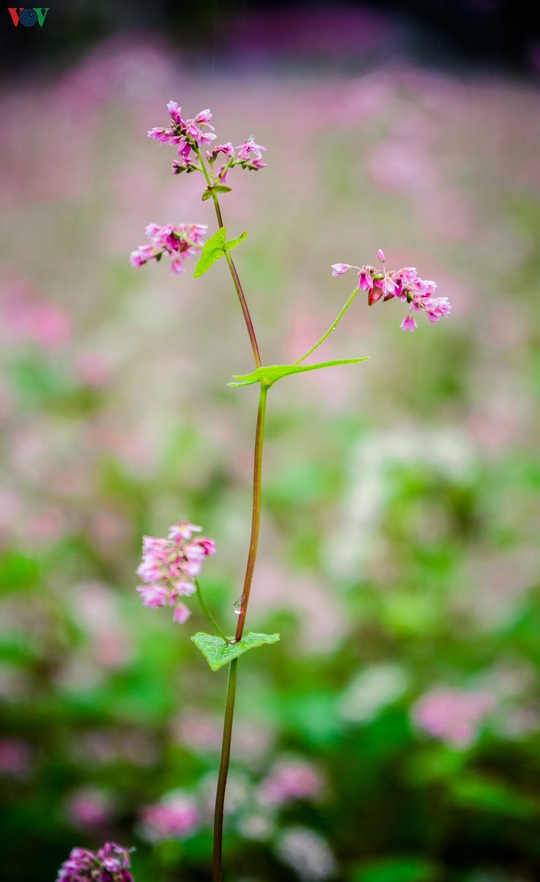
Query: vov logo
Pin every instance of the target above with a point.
(28, 16)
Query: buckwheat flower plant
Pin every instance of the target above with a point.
(171, 566)
(110, 864)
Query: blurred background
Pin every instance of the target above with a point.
(394, 733)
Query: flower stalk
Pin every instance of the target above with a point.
(217, 851)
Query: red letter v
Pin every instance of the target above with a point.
(14, 14)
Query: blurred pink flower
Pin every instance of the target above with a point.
(96, 609)
(15, 758)
(452, 715)
(26, 316)
(89, 807)
(46, 526)
(291, 779)
(198, 731)
(92, 369)
(176, 815)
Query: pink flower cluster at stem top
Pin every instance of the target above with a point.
(405, 284)
(170, 566)
(110, 864)
(190, 135)
(178, 242)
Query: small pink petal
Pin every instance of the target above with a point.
(339, 268)
(181, 613)
(408, 323)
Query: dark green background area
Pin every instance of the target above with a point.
(497, 35)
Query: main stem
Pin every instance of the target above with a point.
(232, 269)
(223, 772)
(217, 854)
(255, 513)
(231, 685)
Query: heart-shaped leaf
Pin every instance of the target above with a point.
(218, 653)
(214, 248)
(232, 243)
(212, 251)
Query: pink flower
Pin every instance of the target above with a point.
(176, 815)
(89, 807)
(408, 323)
(178, 242)
(291, 779)
(404, 284)
(452, 715)
(110, 864)
(189, 135)
(184, 131)
(339, 268)
(365, 277)
(250, 154)
(436, 308)
(183, 530)
(15, 758)
(170, 566)
(227, 149)
(154, 595)
(181, 613)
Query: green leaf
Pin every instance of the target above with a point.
(270, 374)
(212, 251)
(215, 248)
(217, 188)
(217, 653)
(232, 243)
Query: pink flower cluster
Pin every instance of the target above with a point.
(170, 566)
(178, 242)
(175, 816)
(110, 864)
(405, 284)
(191, 134)
(249, 156)
(453, 716)
(187, 134)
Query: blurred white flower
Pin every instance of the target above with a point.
(372, 690)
